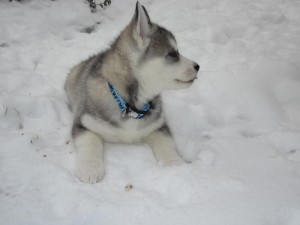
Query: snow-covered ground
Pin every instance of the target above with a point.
(239, 123)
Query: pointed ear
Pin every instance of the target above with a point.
(142, 21)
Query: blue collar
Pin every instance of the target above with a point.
(126, 108)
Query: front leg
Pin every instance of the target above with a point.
(89, 163)
(163, 147)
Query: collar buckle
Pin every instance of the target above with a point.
(126, 109)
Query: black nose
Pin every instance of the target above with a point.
(196, 67)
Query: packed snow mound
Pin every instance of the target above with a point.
(238, 126)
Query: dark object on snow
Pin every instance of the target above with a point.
(93, 4)
(4, 45)
(88, 30)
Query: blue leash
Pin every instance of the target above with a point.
(126, 108)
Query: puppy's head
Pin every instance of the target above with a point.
(158, 60)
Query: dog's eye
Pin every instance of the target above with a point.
(173, 54)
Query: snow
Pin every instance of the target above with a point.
(238, 125)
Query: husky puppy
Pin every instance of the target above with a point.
(115, 95)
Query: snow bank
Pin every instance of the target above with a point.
(238, 125)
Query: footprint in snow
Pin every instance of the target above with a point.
(293, 155)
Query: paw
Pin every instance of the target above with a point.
(89, 172)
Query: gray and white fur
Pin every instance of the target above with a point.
(141, 63)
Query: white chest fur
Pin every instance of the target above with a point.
(130, 131)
